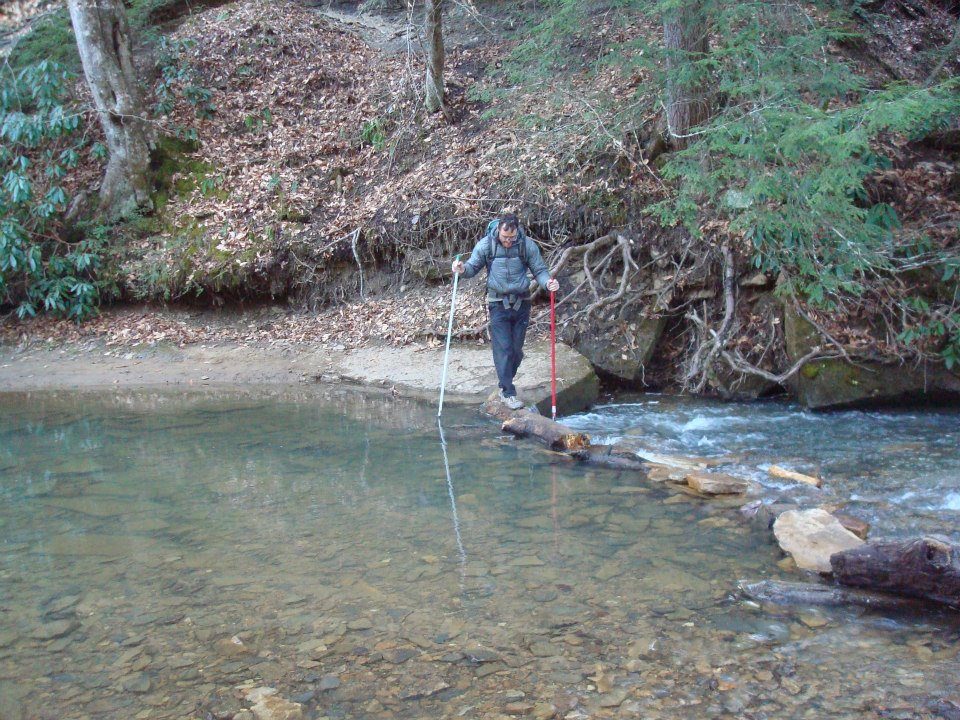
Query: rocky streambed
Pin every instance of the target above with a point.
(289, 553)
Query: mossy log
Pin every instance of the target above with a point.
(552, 434)
(926, 568)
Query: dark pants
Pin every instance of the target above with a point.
(508, 328)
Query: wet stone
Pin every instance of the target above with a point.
(813, 619)
(543, 649)
(517, 708)
(55, 629)
(189, 675)
(423, 689)
(543, 596)
(359, 624)
(137, 683)
(399, 655)
(614, 698)
(328, 682)
(481, 655)
(489, 669)
(56, 606)
(528, 561)
(304, 697)
(544, 711)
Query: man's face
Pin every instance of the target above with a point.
(507, 237)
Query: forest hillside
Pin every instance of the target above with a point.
(738, 198)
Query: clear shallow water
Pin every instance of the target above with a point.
(899, 470)
(157, 551)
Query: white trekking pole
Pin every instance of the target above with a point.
(446, 353)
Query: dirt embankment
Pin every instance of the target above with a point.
(317, 179)
(150, 347)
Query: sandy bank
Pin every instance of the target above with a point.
(410, 371)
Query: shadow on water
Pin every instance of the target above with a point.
(160, 550)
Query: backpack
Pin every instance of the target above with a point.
(521, 246)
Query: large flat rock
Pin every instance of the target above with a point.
(812, 536)
(411, 371)
(471, 376)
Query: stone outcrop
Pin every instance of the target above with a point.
(812, 536)
(621, 350)
(836, 383)
(416, 371)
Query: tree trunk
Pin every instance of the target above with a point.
(927, 568)
(434, 33)
(103, 39)
(778, 592)
(687, 43)
(552, 434)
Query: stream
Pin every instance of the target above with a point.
(162, 554)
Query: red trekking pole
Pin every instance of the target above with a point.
(553, 353)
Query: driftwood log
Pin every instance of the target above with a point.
(552, 434)
(779, 592)
(927, 568)
(785, 474)
(611, 456)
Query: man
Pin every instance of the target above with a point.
(507, 253)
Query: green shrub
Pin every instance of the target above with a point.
(373, 133)
(40, 271)
(794, 131)
(50, 39)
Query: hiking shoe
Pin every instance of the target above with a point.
(511, 401)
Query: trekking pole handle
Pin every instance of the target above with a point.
(446, 352)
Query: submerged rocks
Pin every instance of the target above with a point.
(55, 629)
(812, 536)
(267, 705)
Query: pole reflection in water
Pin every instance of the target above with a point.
(453, 509)
(553, 513)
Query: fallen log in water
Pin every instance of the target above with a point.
(927, 568)
(784, 474)
(554, 435)
(608, 456)
(779, 592)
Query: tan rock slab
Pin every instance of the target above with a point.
(860, 528)
(272, 707)
(717, 483)
(812, 536)
(471, 377)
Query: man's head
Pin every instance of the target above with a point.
(507, 229)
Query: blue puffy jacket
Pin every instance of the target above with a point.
(506, 269)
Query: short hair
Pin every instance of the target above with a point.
(509, 221)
